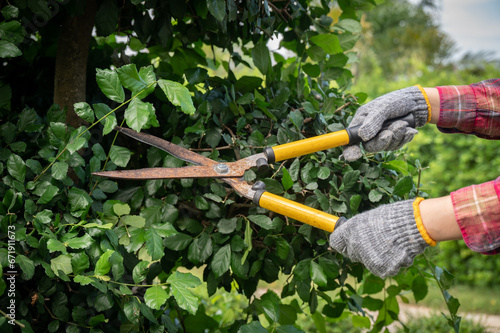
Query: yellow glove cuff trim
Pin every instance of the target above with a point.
(420, 225)
(426, 101)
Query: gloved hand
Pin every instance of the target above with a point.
(384, 239)
(371, 116)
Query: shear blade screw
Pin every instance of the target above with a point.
(221, 168)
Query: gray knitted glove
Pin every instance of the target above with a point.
(372, 115)
(383, 239)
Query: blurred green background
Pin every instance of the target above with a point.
(403, 45)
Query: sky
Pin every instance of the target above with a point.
(474, 25)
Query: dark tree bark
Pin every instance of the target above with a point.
(71, 61)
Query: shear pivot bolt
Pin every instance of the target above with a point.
(221, 168)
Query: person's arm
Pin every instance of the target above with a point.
(438, 218)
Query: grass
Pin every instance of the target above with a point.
(437, 324)
(472, 299)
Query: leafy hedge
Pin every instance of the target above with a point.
(98, 255)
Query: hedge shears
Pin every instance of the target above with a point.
(232, 172)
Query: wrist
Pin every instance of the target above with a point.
(438, 219)
(434, 104)
(419, 222)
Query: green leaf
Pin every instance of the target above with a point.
(324, 173)
(354, 203)
(119, 155)
(80, 242)
(419, 288)
(452, 302)
(273, 186)
(350, 179)
(221, 261)
(79, 262)
(48, 194)
(10, 12)
(375, 195)
(261, 57)
(253, 327)
(84, 111)
(312, 70)
(98, 226)
(200, 249)
(54, 245)
(142, 81)
(140, 271)
(179, 285)
(288, 329)
(16, 167)
(59, 170)
(83, 280)
(282, 248)
(319, 322)
(348, 40)
(263, 221)
(201, 203)
(213, 137)
(217, 8)
(178, 95)
(121, 209)
(103, 265)
(134, 221)
(26, 265)
(109, 124)
(286, 180)
(248, 241)
(9, 50)
(350, 25)
(328, 42)
(154, 244)
(137, 114)
(78, 139)
(79, 200)
(271, 309)
(178, 242)
(27, 120)
(93, 321)
(444, 277)
(360, 321)
(61, 263)
(155, 297)
(318, 275)
(8, 131)
(373, 284)
(227, 226)
(18, 147)
(399, 166)
(109, 83)
(403, 186)
(108, 186)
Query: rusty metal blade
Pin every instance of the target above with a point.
(175, 150)
(198, 171)
(241, 187)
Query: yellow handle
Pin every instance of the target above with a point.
(298, 212)
(311, 145)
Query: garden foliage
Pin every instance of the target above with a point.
(103, 256)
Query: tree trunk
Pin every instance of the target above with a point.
(71, 61)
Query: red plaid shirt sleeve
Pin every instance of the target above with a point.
(477, 210)
(475, 109)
